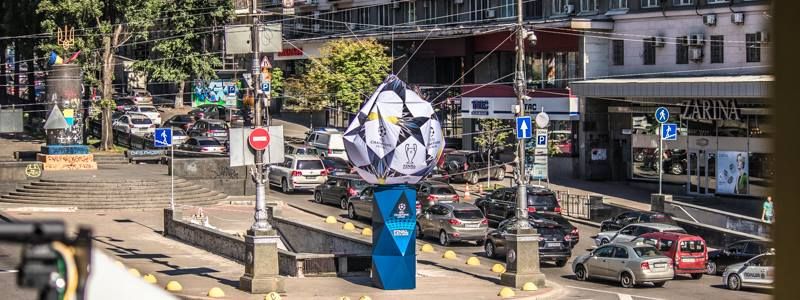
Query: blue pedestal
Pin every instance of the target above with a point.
(394, 263)
(65, 149)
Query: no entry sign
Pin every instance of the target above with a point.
(259, 139)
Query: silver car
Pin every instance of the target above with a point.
(759, 271)
(452, 222)
(632, 231)
(628, 263)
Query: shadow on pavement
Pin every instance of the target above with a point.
(481, 277)
(752, 290)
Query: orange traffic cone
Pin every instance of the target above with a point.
(466, 191)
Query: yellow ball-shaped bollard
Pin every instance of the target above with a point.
(506, 292)
(149, 278)
(119, 263)
(449, 254)
(344, 298)
(366, 231)
(272, 296)
(498, 268)
(330, 220)
(473, 261)
(427, 248)
(529, 286)
(216, 292)
(348, 226)
(174, 286)
(365, 297)
(134, 272)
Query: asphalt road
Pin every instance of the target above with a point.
(708, 287)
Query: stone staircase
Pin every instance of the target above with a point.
(110, 193)
(110, 160)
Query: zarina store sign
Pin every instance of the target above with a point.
(710, 110)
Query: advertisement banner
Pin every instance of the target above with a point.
(221, 92)
(732, 172)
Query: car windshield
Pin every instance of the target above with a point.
(692, 246)
(141, 121)
(460, 159)
(360, 184)
(208, 143)
(336, 164)
(217, 126)
(542, 199)
(646, 251)
(178, 132)
(309, 165)
(468, 214)
(147, 109)
(439, 190)
(184, 118)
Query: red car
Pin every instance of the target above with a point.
(688, 252)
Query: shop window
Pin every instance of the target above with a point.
(563, 138)
(761, 170)
(559, 68)
(618, 4)
(760, 126)
(717, 49)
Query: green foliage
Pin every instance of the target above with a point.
(495, 136)
(346, 74)
(277, 82)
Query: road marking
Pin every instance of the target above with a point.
(8, 271)
(620, 295)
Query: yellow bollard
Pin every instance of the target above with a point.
(365, 297)
(344, 298)
(506, 292)
(134, 272)
(348, 226)
(473, 261)
(272, 296)
(427, 248)
(174, 286)
(367, 231)
(498, 268)
(149, 278)
(119, 263)
(529, 286)
(330, 220)
(216, 292)
(449, 254)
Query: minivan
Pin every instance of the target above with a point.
(688, 252)
(328, 142)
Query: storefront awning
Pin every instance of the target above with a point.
(746, 86)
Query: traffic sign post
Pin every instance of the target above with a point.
(258, 139)
(662, 116)
(524, 128)
(163, 138)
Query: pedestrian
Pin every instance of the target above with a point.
(767, 213)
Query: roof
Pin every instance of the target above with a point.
(741, 78)
(459, 205)
(676, 235)
(741, 86)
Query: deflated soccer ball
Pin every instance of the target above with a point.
(395, 138)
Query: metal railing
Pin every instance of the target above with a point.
(574, 205)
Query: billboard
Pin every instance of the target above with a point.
(221, 92)
(732, 172)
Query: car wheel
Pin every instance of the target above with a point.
(676, 169)
(580, 273)
(626, 280)
(696, 276)
(711, 268)
(420, 235)
(660, 283)
(604, 241)
(351, 212)
(443, 240)
(489, 249)
(474, 178)
(318, 197)
(343, 203)
(561, 263)
(285, 186)
(734, 282)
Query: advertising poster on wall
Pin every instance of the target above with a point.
(220, 92)
(732, 168)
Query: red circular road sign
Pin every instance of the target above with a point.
(259, 139)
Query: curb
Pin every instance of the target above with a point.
(582, 221)
(6, 217)
(556, 292)
(340, 220)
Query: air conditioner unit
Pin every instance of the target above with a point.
(489, 13)
(659, 41)
(685, 40)
(458, 1)
(697, 39)
(316, 28)
(696, 54)
(710, 20)
(737, 18)
(764, 37)
(569, 9)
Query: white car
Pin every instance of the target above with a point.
(149, 111)
(759, 271)
(632, 231)
(329, 142)
(298, 172)
(134, 124)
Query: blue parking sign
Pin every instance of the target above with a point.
(669, 131)
(163, 137)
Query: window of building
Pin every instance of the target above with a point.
(649, 53)
(588, 5)
(412, 12)
(717, 49)
(559, 7)
(650, 3)
(681, 51)
(682, 2)
(532, 9)
(618, 4)
(478, 9)
(508, 8)
(753, 43)
(430, 12)
(618, 52)
(716, 1)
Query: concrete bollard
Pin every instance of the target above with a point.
(473, 261)
(506, 292)
(365, 297)
(498, 268)
(348, 226)
(529, 286)
(134, 272)
(367, 231)
(174, 286)
(449, 254)
(216, 292)
(330, 220)
(427, 248)
(149, 278)
(344, 298)
(272, 296)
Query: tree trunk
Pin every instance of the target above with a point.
(107, 139)
(179, 96)
(107, 142)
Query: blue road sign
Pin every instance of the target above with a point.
(163, 137)
(541, 140)
(524, 128)
(662, 115)
(265, 87)
(669, 131)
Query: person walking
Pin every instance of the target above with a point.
(767, 212)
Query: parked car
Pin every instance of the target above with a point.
(688, 252)
(360, 206)
(134, 124)
(452, 222)
(431, 192)
(501, 203)
(337, 165)
(298, 172)
(182, 121)
(630, 217)
(149, 111)
(338, 189)
(758, 271)
(628, 263)
(300, 149)
(179, 136)
(124, 104)
(141, 96)
(218, 112)
(734, 253)
(328, 143)
(471, 167)
(203, 144)
(554, 245)
(632, 231)
(210, 128)
(566, 226)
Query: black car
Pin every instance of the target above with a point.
(734, 253)
(219, 112)
(554, 245)
(501, 203)
(630, 217)
(567, 227)
(471, 167)
(338, 189)
(336, 165)
(181, 121)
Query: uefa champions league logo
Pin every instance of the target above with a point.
(401, 210)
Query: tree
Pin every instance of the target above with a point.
(347, 72)
(185, 56)
(106, 25)
(494, 137)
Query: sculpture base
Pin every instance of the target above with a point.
(65, 149)
(67, 162)
(394, 259)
